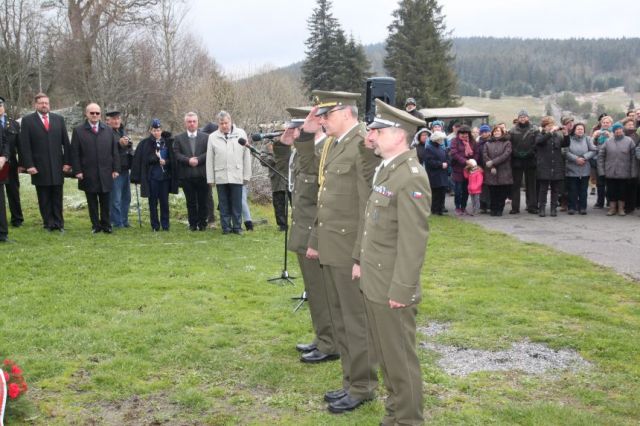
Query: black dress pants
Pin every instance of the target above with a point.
(4, 226)
(50, 204)
(13, 195)
(99, 205)
(196, 191)
(529, 175)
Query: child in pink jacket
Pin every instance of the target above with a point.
(475, 177)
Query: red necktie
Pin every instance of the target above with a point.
(95, 129)
(45, 120)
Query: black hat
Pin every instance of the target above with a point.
(464, 129)
(113, 114)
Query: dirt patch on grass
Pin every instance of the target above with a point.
(530, 358)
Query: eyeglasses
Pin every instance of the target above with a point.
(326, 114)
(94, 113)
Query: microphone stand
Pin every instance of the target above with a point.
(284, 276)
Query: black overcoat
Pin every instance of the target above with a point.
(47, 151)
(95, 156)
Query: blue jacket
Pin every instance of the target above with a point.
(432, 157)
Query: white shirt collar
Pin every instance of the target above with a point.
(192, 134)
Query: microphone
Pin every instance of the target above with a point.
(243, 142)
(257, 137)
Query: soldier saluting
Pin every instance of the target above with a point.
(345, 172)
(392, 252)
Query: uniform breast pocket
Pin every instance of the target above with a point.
(336, 178)
(379, 207)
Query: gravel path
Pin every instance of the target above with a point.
(609, 241)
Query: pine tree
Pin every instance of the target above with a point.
(323, 30)
(419, 55)
(332, 62)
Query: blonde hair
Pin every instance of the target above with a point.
(546, 120)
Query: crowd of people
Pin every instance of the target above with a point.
(555, 163)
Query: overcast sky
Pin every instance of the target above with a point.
(245, 35)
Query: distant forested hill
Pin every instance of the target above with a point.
(519, 67)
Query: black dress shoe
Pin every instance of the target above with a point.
(16, 224)
(5, 239)
(305, 347)
(316, 356)
(514, 212)
(96, 230)
(107, 230)
(335, 395)
(345, 404)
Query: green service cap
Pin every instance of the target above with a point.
(388, 116)
(298, 115)
(329, 100)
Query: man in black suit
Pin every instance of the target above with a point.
(10, 129)
(190, 150)
(46, 156)
(4, 177)
(96, 163)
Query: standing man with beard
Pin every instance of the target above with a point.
(346, 170)
(394, 243)
(46, 155)
(96, 162)
(10, 130)
(523, 163)
(303, 184)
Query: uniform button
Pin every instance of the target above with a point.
(293, 222)
(320, 224)
(306, 181)
(320, 205)
(343, 231)
(309, 227)
(324, 189)
(379, 265)
(376, 201)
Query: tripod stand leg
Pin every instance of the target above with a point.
(302, 298)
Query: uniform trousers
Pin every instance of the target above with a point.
(50, 205)
(279, 201)
(159, 193)
(4, 225)
(13, 196)
(318, 304)
(393, 332)
(98, 204)
(348, 316)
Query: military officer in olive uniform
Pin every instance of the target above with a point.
(346, 170)
(276, 154)
(392, 252)
(303, 184)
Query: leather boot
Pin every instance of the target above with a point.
(612, 208)
(621, 211)
(249, 225)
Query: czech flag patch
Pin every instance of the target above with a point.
(417, 195)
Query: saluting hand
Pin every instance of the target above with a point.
(312, 123)
(289, 136)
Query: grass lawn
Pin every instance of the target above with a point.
(182, 328)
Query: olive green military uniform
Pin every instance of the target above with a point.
(348, 169)
(392, 254)
(304, 173)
